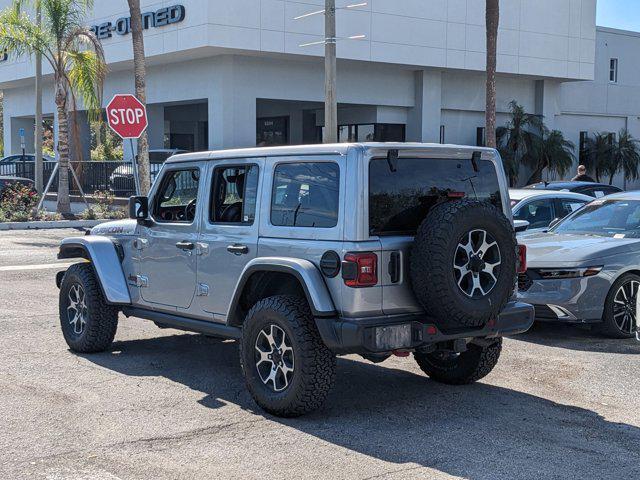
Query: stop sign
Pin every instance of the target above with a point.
(127, 116)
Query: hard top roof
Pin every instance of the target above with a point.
(324, 149)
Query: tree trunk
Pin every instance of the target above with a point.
(140, 73)
(492, 20)
(64, 204)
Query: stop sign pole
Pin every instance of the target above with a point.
(127, 117)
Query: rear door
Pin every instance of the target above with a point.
(401, 197)
(229, 236)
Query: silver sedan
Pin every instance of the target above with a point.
(540, 208)
(586, 269)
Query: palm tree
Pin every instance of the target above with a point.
(139, 68)
(626, 155)
(75, 56)
(598, 155)
(516, 140)
(492, 21)
(553, 152)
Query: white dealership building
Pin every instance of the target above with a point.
(235, 73)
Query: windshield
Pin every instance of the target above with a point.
(605, 218)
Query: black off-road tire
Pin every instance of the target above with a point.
(101, 318)
(314, 367)
(608, 326)
(467, 367)
(432, 257)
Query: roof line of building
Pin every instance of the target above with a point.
(618, 31)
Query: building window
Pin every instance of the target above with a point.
(371, 132)
(613, 70)
(272, 131)
(442, 134)
(481, 140)
(584, 136)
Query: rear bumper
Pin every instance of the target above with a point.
(361, 335)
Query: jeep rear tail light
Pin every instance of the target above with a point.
(360, 269)
(522, 258)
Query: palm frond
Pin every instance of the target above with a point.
(86, 74)
(19, 35)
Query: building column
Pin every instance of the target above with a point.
(232, 111)
(548, 101)
(425, 117)
(14, 144)
(155, 130)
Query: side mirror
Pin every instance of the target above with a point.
(139, 209)
(555, 222)
(520, 225)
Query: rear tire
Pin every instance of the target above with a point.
(463, 368)
(288, 369)
(88, 323)
(618, 320)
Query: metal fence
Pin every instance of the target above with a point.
(116, 176)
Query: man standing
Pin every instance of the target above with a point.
(582, 175)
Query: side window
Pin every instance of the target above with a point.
(305, 195)
(538, 213)
(568, 206)
(177, 197)
(235, 190)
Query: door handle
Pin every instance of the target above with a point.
(237, 249)
(186, 246)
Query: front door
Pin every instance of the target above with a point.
(229, 238)
(168, 260)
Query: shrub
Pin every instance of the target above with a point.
(17, 203)
(103, 208)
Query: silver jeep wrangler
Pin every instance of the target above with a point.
(305, 253)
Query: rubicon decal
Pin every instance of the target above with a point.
(160, 18)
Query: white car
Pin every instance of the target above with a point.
(540, 208)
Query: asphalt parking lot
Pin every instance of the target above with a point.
(562, 403)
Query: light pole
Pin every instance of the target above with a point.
(329, 42)
(330, 98)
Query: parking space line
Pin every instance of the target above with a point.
(43, 266)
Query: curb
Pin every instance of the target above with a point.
(48, 225)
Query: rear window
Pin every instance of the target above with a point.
(399, 201)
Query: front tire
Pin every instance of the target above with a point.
(288, 370)
(88, 323)
(462, 368)
(619, 318)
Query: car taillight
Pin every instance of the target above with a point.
(360, 269)
(522, 258)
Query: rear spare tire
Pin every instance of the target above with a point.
(463, 263)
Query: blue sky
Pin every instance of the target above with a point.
(624, 14)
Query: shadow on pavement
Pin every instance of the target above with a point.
(575, 337)
(477, 431)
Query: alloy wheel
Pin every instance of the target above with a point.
(274, 358)
(77, 310)
(624, 306)
(476, 263)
